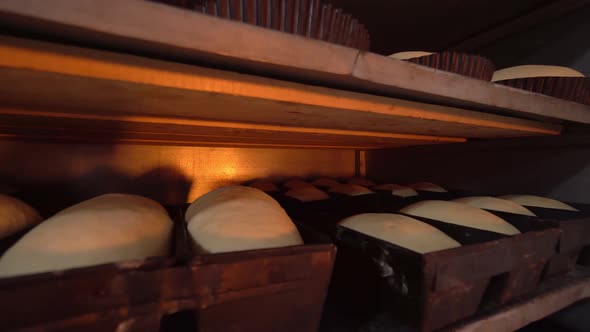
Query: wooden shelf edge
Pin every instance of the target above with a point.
(139, 129)
(553, 296)
(129, 26)
(46, 75)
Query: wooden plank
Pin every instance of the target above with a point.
(55, 78)
(36, 125)
(188, 36)
(550, 298)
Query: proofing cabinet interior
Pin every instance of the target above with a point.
(139, 97)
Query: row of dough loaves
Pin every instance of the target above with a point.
(415, 235)
(312, 191)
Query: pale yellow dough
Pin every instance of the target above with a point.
(307, 194)
(325, 182)
(265, 186)
(239, 218)
(400, 230)
(397, 190)
(538, 201)
(15, 216)
(460, 214)
(534, 71)
(296, 183)
(495, 204)
(410, 55)
(427, 186)
(361, 182)
(104, 229)
(350, 190)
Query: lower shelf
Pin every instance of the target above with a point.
(550, 297)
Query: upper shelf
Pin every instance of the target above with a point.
(64, 92)
(167, 32)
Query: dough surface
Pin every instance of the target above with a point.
(296, 183)
(460, 214)
(15, 216)
(108, 228)
(307, 194)
(495, 204)
(239, 218)
(397, 190)
(401, 230)
(538, 201)
(361, 182)
(265, 186)
(350, 190)
(325, 182)
(534, 71)
(427, 186)
(409, 55)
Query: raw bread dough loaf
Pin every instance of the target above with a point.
(534, 71)
(427, 186)
(538, 201)
(239, 218)
(350, 190)
(495, 204)
(265, 186)
(400, 230)
(409, 55)
(307, 194)
(361, 182)
(325, 182)
(460, 214)
(15, 216)
(104, 229)
(296, 183)
(397, 190)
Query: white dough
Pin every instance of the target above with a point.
(361, 182)
(15, 216)
(495, 204)
(325, 182)
(397, 190)
(239, 218)
(538, 201)
(460, 214)
(104, 229)
(400, 230)
(350, 190)
(307, 194)
(409, 55)
(534, 71)
(427, 186)
(265, 186)
(296, 183)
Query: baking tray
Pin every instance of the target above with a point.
(323, 215)
(90, 297)
(574, 242)
(309, 18)
(288, 285)
(532, 251)
(575, 89)
(433, 289)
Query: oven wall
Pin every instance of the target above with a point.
(66, 173)
(558, 167)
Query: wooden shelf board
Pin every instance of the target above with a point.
(551, 297)
(159, 30)
(46, 80)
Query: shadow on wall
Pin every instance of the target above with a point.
(562, 172)
(163, 184)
